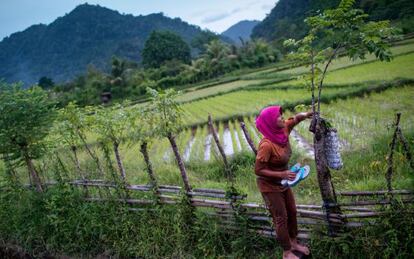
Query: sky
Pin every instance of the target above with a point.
(215, 15)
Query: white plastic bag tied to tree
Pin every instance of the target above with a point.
(331, 147)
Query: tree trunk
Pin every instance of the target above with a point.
(180, 162)
(248, 138)
(144, 152)
(119, 161)
(32, 172)
(220, 148)
(324, 176)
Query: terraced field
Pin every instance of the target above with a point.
(361, 121)
(248, 102)
(266, 77)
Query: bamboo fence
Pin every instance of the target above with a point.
(360, 208)
(356, 208)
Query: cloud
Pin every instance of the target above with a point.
(215, 18)
(221, 16)
(267, 7)
(236, 10)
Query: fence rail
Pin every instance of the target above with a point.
(221, 207)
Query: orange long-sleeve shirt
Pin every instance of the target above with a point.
(273, 157)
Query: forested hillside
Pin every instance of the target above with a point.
(286, 18)
(88, 35)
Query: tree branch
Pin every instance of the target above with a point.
(324, 74)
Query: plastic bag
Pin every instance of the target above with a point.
(331, 146)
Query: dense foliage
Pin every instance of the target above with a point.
(26, 119)
(162, 46)
(129, 81)
(88, 35)
(286, 20)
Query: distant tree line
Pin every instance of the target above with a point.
(166, 62)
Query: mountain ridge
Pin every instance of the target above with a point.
(242, 29)
(89, 35)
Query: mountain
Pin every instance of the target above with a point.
(88, 36)
(286, 19)
(242, 29)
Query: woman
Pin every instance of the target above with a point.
(271, 168)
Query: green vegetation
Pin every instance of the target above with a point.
(109, 143)
(163, 46)
(286, 20)
(400, 67)
(89, 35)
(27, 117)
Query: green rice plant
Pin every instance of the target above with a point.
(247, 102)
(400, 67)
(197, 152)
(359, 120)
(237, 147)
(200, 93)
(340, 63)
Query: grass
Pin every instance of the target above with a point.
(401, 67)
(55, 221)
(278, 72)
(195, 93)
(361, 113)
(360, 120)
(240, 102)
(340, 63)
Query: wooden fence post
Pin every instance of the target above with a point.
(119, 161)
(144, 151)
(180, 162)
(248, 138)
(390, 159)
(324, 178)
(220, 148)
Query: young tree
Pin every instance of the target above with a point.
(143, 131)
(113, 125)
(71, 127)
(341, 31)
(167, 115)
(162, 46)
(26, 119)
(216, 56)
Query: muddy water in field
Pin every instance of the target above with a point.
(227, 141)
(187, 151)
(207, 147)
(189, 145)
(236, 138)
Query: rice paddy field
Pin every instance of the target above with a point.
(362, 116)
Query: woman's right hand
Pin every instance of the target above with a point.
(289, 175)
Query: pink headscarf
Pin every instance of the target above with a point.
(266, 124)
